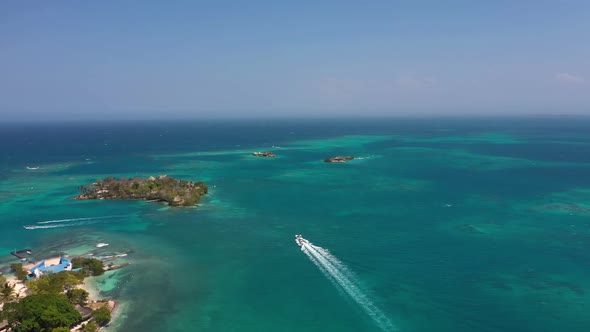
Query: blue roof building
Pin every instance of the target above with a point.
(41, 268)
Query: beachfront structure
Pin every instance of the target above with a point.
(43, 268)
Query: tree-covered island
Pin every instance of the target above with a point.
(163, 188)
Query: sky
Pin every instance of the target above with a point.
(195, 59)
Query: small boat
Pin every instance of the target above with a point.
(100, 245)
(24, 259)
(29, 252)
(300, 240)
(29, 227)
(35, 167)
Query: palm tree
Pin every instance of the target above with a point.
(6, 291)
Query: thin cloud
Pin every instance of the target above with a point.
(567, 78)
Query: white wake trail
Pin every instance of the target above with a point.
(59, 225)
(332, 259)
(76, 219)
(340, 275)
(325, 272)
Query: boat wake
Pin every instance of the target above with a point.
(72, 222)
(58, 225)
(77, 219)
(344, 279)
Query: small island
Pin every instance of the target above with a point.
(265, 154)
(161, 189)
(338, 159)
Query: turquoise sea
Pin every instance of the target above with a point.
(442, 224)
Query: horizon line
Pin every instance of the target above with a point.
(322, 117)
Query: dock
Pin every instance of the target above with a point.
(21, 254)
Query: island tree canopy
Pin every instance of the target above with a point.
(102, 316)
(40, 313)
(163, 188)
(77, 296)
(6, 290)
(89, 327)
(19, 272)
(90, 266)
(55, 283)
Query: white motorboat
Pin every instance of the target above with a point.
(100, 245)
(300, 240)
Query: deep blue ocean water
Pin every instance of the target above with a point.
(445, 224)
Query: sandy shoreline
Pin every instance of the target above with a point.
(89, 285)
(19, 287)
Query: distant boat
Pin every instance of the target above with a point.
(100, 245)
(29, 252)
(35, 167)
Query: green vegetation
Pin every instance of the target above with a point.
(40, 313)
(55, 283)
(89, 327)
(90, 266)
(77, 296)
(102, 316)
(61, 329)
(49, 309)
(19, 272)
(163, 188)
(6, 291)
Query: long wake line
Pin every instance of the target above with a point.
(71, 222)
(77, 219)
(57, 226)
(341, 276)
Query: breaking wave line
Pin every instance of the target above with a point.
(341, 276)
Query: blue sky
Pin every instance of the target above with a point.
(179, 59)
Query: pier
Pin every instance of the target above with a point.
(21, 253)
